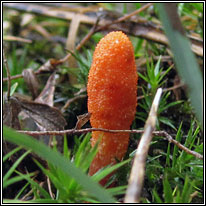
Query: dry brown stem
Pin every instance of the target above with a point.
(8, 75)
(79, 131)
(137, 174)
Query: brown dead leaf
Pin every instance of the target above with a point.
(47, 94)
(42, 117)
(31, 81)
(49, 66)
(47, 117)
(34, 116)
(39, 115)
(11, 110)
(82, 120)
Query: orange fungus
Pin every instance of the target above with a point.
(112, 97)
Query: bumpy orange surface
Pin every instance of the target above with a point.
(112, 97)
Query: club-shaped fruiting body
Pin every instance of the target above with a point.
(112, 97)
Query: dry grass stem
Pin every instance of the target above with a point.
(136, 179)
(8, 75)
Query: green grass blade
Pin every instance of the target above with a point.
(167, 191)
(175, 151)
(21, 191)
(35, 185)
(66, 150)
(157, 67)
(14, 166)
(16, 179)
(6, 156)
(185, 60)
(143, 77)
(13, 88)
(167, 121)
(107, 170)
(41, 201)
(117, 190)
(156, 196)
(168, 155)
(59, 161)
(187, 190)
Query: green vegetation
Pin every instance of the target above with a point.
(57, 173)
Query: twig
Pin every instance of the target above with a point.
(77, 95)
(8, 75)
(136, 179)
(13, 77)
(85, 39)
(123, 18)
(179, 145)
(164, 90)
(72, 100)
(76, 131)
(84, 89)
(18, 39)
(49, 188)
(27, 195)
(24, 198)
(134, 13)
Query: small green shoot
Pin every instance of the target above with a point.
(154, 76)
(84, 64)
(13, 88)
(163, 106)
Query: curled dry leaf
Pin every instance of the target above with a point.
(82, 120)
(49, 66)
(48, 117)
(42, 117)
(38, 115)
(31, 81)
(47, 94)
